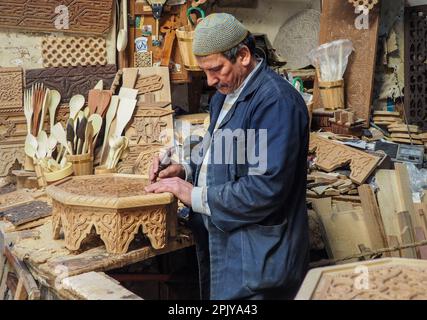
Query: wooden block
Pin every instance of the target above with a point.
(406, 136)
(129, 78)
(331, 192)
(11, 95)
(420, 236)
(97, 286)
(27, 212)
(407, 141)
(390, 119)
(85, 16)
(386, 113)
(71, 80)
(402, 129)
(337, 22)
(406, 234)
(405, 193)
(344, 225)
(73, 51)
(332, 155)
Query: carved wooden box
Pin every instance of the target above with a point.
(382, 279)
(116, 206)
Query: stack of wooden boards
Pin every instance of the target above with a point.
(407, 134)
(374, 220)
(387, 118)
(321, 184)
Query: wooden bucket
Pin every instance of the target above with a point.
(41, 180)
(185, 37)
(332, 94)
(82, 164)
(104, 170)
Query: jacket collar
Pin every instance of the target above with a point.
(253, 84)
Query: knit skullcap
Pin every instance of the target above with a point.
(218, 33)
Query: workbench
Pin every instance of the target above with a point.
(62, 274)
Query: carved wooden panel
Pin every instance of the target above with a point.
(143, 59)
(415, 67)
(383, 279)
(11, 88)
(70, 81)
(13, 199)
(9, 155)
(338, 22)
(151, 125)
(84, 16)
(73, 51)
(332, 155)
(145, 158)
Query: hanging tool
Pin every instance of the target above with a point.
(169, 29)
(197, 9)
(157, 7)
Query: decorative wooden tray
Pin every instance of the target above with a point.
(116, 206)
(382, 279)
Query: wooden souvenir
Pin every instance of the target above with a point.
(68, 16)
(332, 155)
(73, 51)
(382, 279)
(116, 206)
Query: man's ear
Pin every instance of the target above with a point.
(245, 56)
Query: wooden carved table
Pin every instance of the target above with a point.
(115, 206)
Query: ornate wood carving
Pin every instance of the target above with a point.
(13, 199)
(74, 51)
(332, 155)
(116, 206)
(9, 155)
(84, 16)
(145, 158)
(338, 22)
(415, 67)
(10, 87)
(72, 80)
(383, 279)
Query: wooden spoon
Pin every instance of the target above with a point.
(45, 105)
(31, 146)
(111, 113)
(96, 121)
(122, 38)
(60, 135)
(55, 99)
(42, 145)
(76, 104)
(99, 85)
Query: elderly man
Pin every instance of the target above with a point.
(248, 214)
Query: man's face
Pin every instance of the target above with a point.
(222, 74)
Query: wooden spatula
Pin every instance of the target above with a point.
(93, 100)
(104, 102)
(124, 114)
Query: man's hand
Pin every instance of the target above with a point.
(173, 170)
(178, 187)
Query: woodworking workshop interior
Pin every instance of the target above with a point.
(213, 150)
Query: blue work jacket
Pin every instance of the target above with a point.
(255, 243)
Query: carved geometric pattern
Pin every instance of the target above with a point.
(382, 279)
(116, 228)
(332, 155)
(70, 81)
(369, 4)
(337, 21)
(10, 87)
(143, 59)
(7, 128)
(415, 67)
(8, 156)
(74, 51)
(84, 16)
(145, 158)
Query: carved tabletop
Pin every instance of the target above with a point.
(116, 206)
(383, 279)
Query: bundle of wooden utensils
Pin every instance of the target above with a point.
(77, 142)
